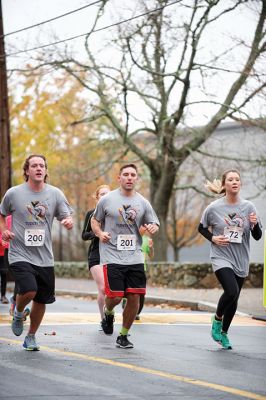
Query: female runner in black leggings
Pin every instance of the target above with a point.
(227, 223)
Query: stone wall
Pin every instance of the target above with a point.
(172, 275)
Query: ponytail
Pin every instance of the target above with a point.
(215, 186)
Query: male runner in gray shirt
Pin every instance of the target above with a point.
(33, 206)
(116, 222)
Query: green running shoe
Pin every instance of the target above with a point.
(225, 341)
(216, 329)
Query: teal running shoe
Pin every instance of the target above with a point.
(225, 341)
(216, 329)
(30, 343)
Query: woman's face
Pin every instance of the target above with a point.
(232, 183)
(102, 192)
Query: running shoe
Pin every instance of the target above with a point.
(26, 313)
(225, 341)
(137, 318)
(123, 342)
(17, 325)
(108, 324)
(30, 343)
(216, 329)
(4, 300)
(100, 327)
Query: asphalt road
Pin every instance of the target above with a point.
(174, 357)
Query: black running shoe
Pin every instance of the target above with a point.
(108, 324)
(123, 342)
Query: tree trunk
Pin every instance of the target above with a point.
(5, 158)
(161, 189)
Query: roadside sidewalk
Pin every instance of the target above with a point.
(250, 302)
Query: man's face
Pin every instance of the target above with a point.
(128, 178)
(37, 170)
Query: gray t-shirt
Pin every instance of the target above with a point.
(122, 216)
(232, 220)
(32, 218)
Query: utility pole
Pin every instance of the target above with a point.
(5, 148)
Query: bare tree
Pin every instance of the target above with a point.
(159, 62)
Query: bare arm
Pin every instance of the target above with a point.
(151, 248)
(7, 235)
(96, 227)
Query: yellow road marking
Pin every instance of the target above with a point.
(146, 318)
(162, 374)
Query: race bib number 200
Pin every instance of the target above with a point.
(126, 242)
(34, 237)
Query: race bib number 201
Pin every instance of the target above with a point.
(34, 237)
(126, 242)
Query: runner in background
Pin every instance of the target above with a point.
(148, 251)
(227, 223)
(13, 297)
(95, 268)
(3, 269)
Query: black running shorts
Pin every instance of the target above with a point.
(122, 279)
(30, 278)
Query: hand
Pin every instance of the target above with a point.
(104, 237)
(253, 219)
(151, 228)
(7, 235)
(221, 240)
(67, 223)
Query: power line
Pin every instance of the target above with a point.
(51, 19)
(93, 31)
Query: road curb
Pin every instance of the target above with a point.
(154, 300)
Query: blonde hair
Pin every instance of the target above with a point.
(97, 191)
(217, 185)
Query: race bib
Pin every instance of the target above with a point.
(34, 237)
(234, 234)
(126, 242)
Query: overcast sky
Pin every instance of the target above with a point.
(18, 14)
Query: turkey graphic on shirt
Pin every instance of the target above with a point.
(234, 219)
(37, 210)
(128, 214)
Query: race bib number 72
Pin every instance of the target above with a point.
(234, 234)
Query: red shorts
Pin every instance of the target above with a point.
(122, 279)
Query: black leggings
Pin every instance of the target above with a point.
(227, 305)
(3, 275)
